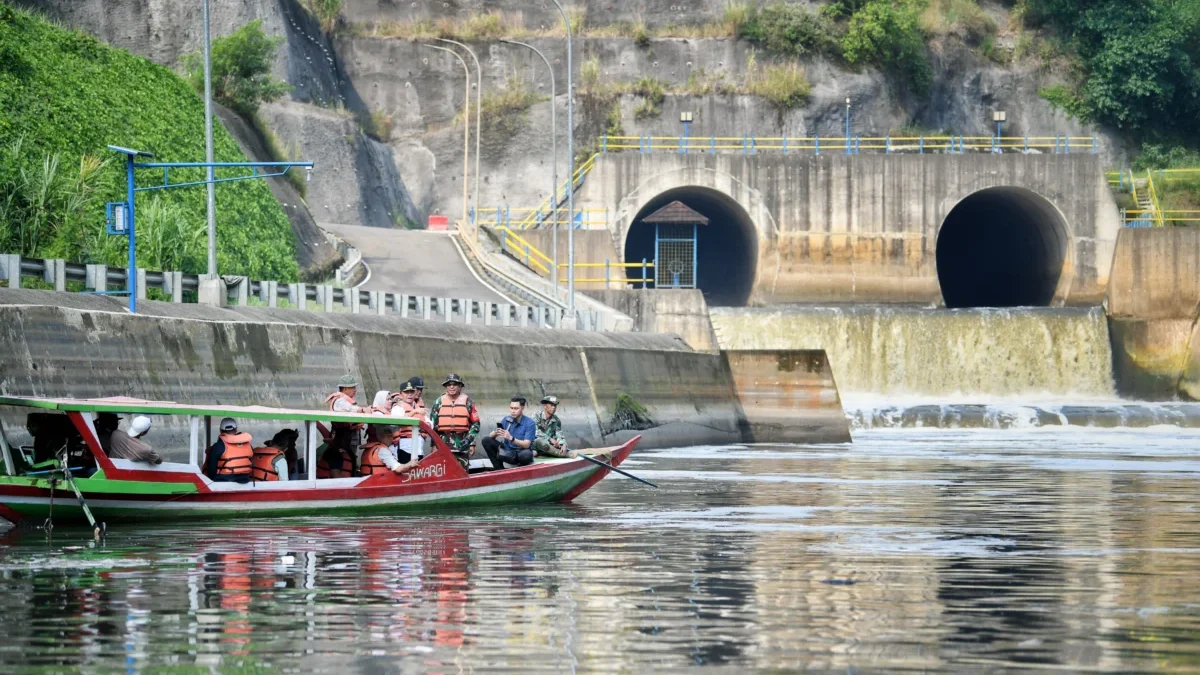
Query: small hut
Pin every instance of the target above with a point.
(676, 227)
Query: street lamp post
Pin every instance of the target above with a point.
(847, 125)
(686, 119)
(208, 148)
(466, 128)
(999, 117)
(570, 167)
(478, 119)
(553, 155)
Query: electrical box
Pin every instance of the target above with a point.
(116, 218)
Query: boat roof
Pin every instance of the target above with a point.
(123, 404)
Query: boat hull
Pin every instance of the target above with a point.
(117, 501)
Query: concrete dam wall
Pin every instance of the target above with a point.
(56, 344)
(954, 230)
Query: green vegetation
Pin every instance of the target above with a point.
(786, 85)
(64, 97)
(789, 29)
(328, 12)
(888, 33)
(241, 69)
(378, 126)
(505, 111)
(629, 414)
(964, 18)
(653, 92)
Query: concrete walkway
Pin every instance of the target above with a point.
(414, 262)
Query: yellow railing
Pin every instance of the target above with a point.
(1156, 213)
(608, 277)
(522, 250)
(546, 206)
(512, 217)
(852, 145)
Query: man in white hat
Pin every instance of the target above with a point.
(129, 445)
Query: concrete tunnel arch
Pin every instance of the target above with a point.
(726, 248)
(1002, 247)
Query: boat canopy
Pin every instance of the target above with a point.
(122, 404)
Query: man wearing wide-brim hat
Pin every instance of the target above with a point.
(550, 440)
(455, 418)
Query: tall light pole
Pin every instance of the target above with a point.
(553, 154)
(478, 119)
(466, 127)
(208, 148)
(847, 125)
(570, 167)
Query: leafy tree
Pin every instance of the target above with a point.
(888, 34)
(241, 69)
(790, 29)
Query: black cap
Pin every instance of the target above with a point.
(452, 377)
(418, 382)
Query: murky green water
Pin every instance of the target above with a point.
(918, 550)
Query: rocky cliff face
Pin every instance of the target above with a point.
(339, 84)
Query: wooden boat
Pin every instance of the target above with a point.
(117, 489)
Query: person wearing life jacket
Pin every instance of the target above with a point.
(335, 462)
(407, 406)
(342, 400)
(231, 458)
(455, 418)
(377, 457)
(346, 435)
(269, 462)
(382, 404)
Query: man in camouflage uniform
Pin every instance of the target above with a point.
(455, 418)
(550, 440)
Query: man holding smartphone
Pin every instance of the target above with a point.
(512, 440)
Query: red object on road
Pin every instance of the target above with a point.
(439, 223)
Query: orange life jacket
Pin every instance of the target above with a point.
(323, 470)
(454, 416)
(263, 464)
(369, 463)
(333, 398)
(414, 411)
(238, 457)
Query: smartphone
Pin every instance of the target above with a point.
(499, 425)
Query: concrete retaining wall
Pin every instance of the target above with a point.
(1153, 305)
(682, 312)
(85, 346)
(788, 395)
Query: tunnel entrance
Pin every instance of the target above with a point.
(1001, 247)
(726, 248)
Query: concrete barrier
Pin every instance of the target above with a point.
(680, 311)
(1153, 305)
(787, 395)
(60, 344)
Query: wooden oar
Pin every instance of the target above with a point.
(610, 467)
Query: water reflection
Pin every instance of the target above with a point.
(931, 550)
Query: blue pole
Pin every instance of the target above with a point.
(889, 144)
(785, 144)
(643, 273)
(817, 144)
(607, 274)
(695, 245)
(712, 144)
(656, 261)
(847, 126)
(131, 274)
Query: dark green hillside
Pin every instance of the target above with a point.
(64, 96)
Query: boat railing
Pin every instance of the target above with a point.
(178, 287)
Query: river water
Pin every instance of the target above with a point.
(931, 550)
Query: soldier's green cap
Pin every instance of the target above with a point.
(552, 400)
(348, 381)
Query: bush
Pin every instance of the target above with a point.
(646, 109)
(74, 96)
(378, 126)
(1062, 97)
(964, 18)
(784, 85)
(241, 69)
(789, 29)
(888, 34)
(327, 12)
(650, 89)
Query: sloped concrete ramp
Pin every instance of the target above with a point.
(415, 262)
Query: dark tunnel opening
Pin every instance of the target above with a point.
(726, 248)
(1001, 247)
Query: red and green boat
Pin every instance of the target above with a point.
(61, 434)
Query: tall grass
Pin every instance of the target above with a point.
(964, 18)
(786, 84)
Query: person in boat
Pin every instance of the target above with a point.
(382, 403)
(342, 400)
(512, 440)
(335, 462)
(122, 445)
(455, 418)
(270, 461)
(285, 441)
(379, 457)
(231, 458)
(408, 406)
(346, 435)
(550, 440)
(418, 383)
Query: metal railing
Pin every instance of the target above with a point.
(514, 217)
(608, 279)
(518, 247)
(1146, 195)
(852, 145)
(552, 203)
(175, 286)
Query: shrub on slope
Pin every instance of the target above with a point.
(64, 96)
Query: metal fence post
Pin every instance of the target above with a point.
(448, 309)
(1094, 151)
(403, 309)
(522, 316)
(922, 146)
(603, 148)
(712, 145)
(816, 146)
(487, 313)
(468, 309)
(505, 310)
(643, 273)
(97, 277)
(1026, 142)
(11, 264)
(243, 291)
(327, 297)
(272, 293)
(302, 296)
(889, 144)
(785, 144)
(352, 300)
(607, 280)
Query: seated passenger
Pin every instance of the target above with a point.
(231, 458)
(335, 461)
(270, 462)
(409, 407)
(550, 440)
(379, 458)
(512, 440)
(105, 424)
(130, 445)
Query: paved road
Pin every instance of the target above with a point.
(415, 262)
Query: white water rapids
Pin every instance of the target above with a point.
(997, 368)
